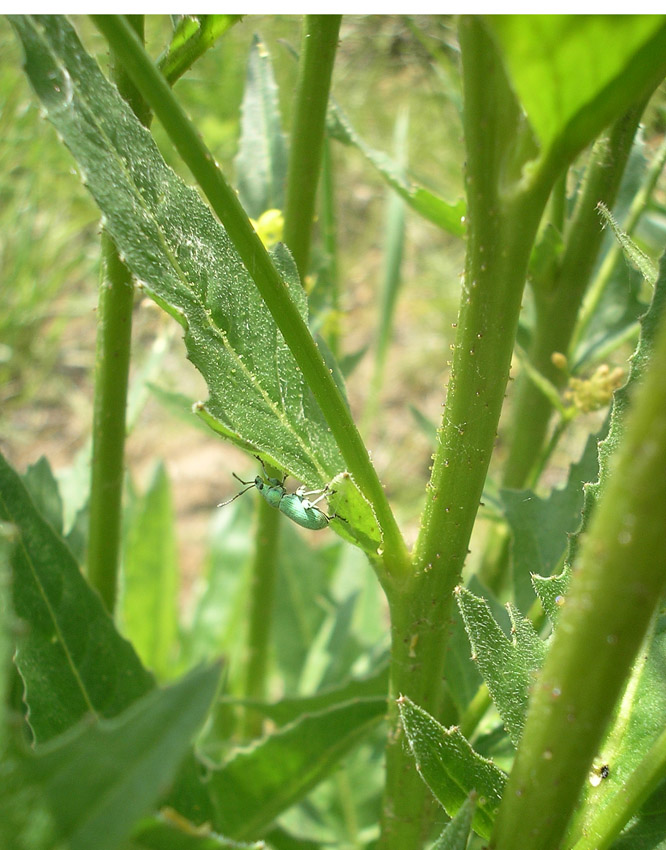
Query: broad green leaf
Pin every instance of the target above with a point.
(261, 162)
(450, 767)
(171, 832)
(7, 543)
(508, 666)
(184, 260)
(456, 833)
(26, 822)
(99, 779)
(71, 658)
(262, 781)
(149, 601)
(541, 527)
(448, 216)
(574, 74)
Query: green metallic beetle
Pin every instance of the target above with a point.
(297, 506)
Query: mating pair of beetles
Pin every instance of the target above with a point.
(297, 506)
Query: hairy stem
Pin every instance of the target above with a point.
(114, 335)
(260, 615)
(500, 234)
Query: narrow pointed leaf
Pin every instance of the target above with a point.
(638, 258)
(262, 781)
(149, 603)
(507, 666)
(450, 767)
(456, 833)
(261, 163)
(69, 654)
(99, 779)
(448, 216)
(194, 35)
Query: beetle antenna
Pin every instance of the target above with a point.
(241, 480)
(233, 498)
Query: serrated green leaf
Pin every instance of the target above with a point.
(541, 527)
(574, 74)
(551, 591)
(187, 264)
(262, 781)
(70, 656)
(638, 258)
(99, 779)
(456, 833)
(616, 426)
(508, 666)
(450, 767)
(261, 162)
(149, 603)
(607, 316)
(448, 216)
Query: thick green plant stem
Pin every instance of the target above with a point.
(613, 596)
(227, 207)
(260, 615)
(329, 239)
(114, 316)
(318, 47)
(501, 230)
(558, 299)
